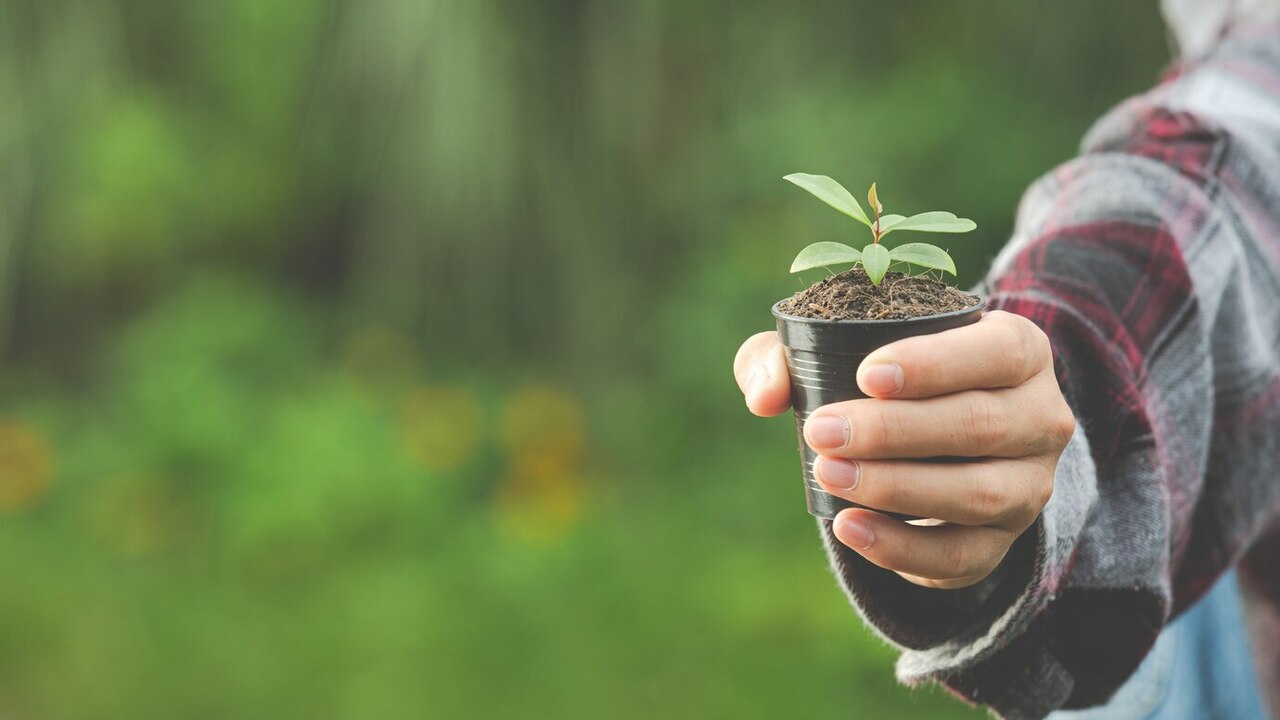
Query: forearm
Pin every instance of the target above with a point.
(1163, 324)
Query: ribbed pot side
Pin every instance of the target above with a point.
(822, 361)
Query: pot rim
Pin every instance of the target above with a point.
(981, 303)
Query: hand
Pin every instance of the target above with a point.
(985, 392)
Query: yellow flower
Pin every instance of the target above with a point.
(539, 505)
(26, 466)
(544, 421)
(541, 495)
(440, 426)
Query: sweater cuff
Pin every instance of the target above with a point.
(978, 640)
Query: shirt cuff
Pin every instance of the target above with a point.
(944, 633)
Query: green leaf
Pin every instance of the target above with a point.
(937, 221)
(823, 254)
(887, 222)
(924, 255)
(830, 192)
(876, 260)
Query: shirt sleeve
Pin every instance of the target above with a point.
(1152, 266)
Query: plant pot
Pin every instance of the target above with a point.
(822, 362)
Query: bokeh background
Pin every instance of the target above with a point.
(370, 358)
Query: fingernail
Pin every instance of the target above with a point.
(756, 380)
(843, 474)
(827, 432)
(883, 379)
(854, 534)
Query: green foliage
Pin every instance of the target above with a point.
(924, 255)
(274, 275)
(876, 260)
(874, 257)
(936, 221)
(832, 193)
(824, 254)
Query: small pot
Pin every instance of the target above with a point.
(822, 362)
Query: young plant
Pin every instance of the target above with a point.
(875, 258)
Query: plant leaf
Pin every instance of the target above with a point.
(873, 200)
(822, 254)
(924, 255)
(936, 221)
(887, 222)
(876, 260)
(830, 192)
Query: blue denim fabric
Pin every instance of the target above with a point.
(1199, 669)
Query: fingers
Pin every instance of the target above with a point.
(761, 370)
(943, 556)
(999, 351)
(1001, 493)
(976, 423)
(984, 391)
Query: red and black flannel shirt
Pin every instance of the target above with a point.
(1152, 261)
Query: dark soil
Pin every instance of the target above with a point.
(851, 296)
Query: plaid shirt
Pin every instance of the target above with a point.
(1152, 261)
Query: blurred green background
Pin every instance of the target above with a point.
(371, 359)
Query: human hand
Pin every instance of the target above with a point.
(985, 393)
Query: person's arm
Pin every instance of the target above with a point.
(986, 393)
(1154, 275)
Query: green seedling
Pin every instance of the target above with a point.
(875, 258)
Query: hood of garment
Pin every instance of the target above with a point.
(1198, 26)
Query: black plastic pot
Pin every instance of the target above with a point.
(822, 361)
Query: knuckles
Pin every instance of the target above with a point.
(1026, 345)
(1036, 345)
(984, 426)
(1063, 426)
(881, 429)
(956, 560)
(1059, 422)
(988, 501)
(876, 429)
(1042, 493)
